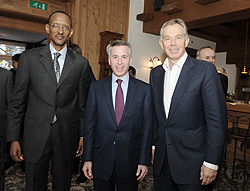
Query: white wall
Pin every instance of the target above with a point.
(146, 46)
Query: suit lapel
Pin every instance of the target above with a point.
(68, 66)
(46, 61)
(184, 78)
(159, 88)
(129, 99)
(108, 97)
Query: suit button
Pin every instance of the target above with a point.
(55, 107)
(117, 131)
(114, 142)
(57, 91)
(166, 127)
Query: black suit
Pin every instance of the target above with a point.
(195, 127)
(224, 82)
(6, 84)
(37, 89)
(118, 149)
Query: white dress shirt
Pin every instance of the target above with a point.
(61, 58)
(170, 81)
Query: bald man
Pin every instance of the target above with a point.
(207, 53)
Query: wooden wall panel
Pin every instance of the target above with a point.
(90, 17)
(20, 9)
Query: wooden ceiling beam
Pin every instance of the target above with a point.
(204, 2)
(22, 25)
(199, 33)
(197, 16)
(224, 30)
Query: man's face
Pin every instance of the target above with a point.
(14, 64)
(59, 36)
(119, 60)
(207, 54)
(173, 42)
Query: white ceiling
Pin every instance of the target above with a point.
(22, 36)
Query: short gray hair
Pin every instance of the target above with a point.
(172, 22)
(119, 43)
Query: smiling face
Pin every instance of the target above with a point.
(119, 60)
(173, 42)
(59, 36)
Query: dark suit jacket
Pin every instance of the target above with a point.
(36, 88)
(224, 82)
(197, 122)
(125, 145)
(6, 84)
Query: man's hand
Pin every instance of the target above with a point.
(207, 175)
(142, 171)
(87, 169)
(80, 148)
(153, 155)
(15, 151)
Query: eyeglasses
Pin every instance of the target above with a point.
(57, 26)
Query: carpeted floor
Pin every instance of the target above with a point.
(15, 181)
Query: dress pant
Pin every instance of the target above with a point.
(165, 182)
(113, 184)
(61, 171)
(2, 160)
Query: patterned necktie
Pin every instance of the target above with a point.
(56, 65)
(119, 102)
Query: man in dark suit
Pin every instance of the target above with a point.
(191, 117)
(6, 84)
(207, 53)
(118, 126)
(52, 83)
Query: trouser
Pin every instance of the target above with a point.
(61, 171)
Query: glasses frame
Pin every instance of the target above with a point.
(57, 26)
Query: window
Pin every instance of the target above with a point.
(7, 50)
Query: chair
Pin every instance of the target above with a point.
(238, 134)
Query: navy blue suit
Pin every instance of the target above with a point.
(197, 122)
(122, 146)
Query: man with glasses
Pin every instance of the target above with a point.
(49, 96)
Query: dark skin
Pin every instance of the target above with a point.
(59, 38)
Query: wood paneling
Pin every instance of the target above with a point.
(197, 16)
(90, 17)
(22, 25)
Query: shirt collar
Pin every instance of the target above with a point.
(180, 63)
(62, 52)
(124, 79)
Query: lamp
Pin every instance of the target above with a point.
(151, 62)
(244, 71)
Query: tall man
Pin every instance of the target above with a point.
(118, 126)
(207, 53)
(191, 118)
(52, 83)
(6, 84)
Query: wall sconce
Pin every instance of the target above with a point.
(151, 62)
(244, 71)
